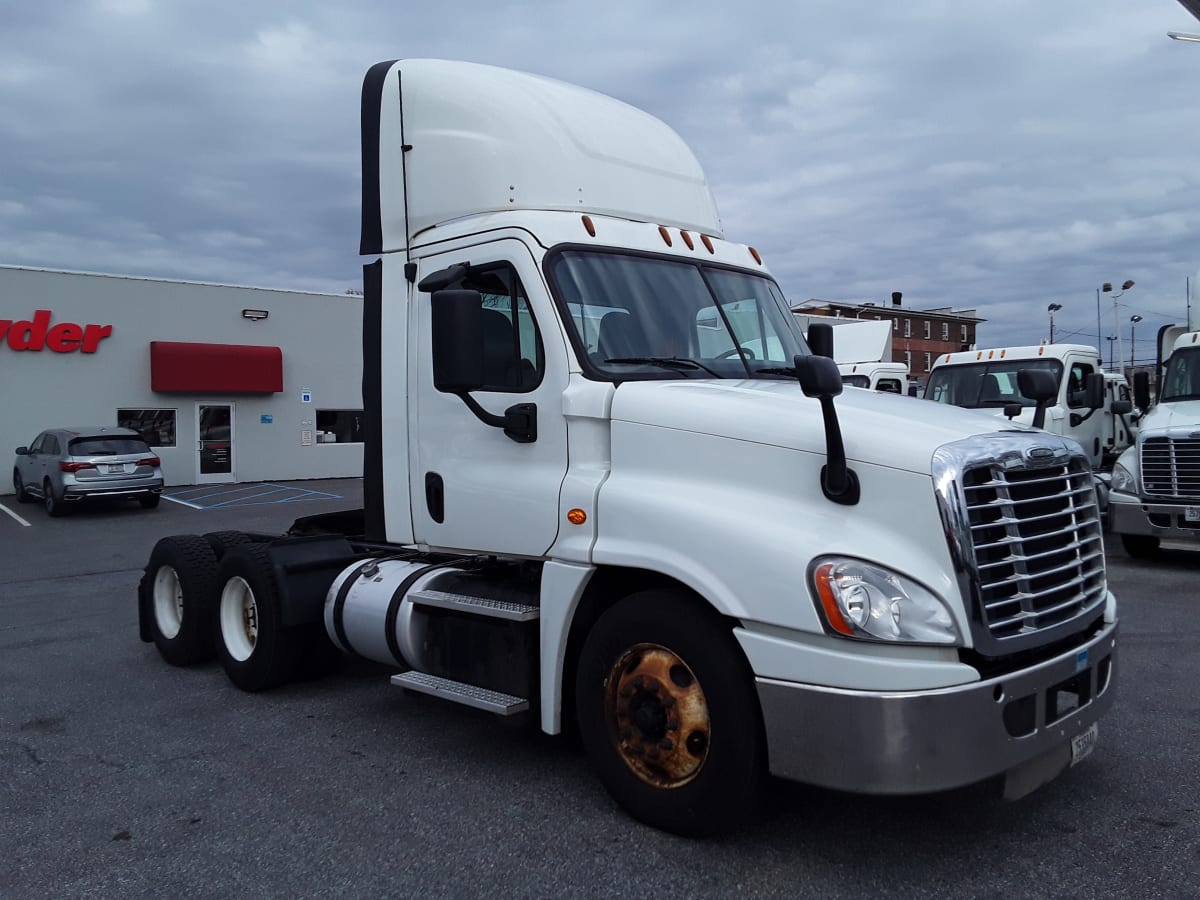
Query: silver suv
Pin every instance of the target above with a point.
(64, 465)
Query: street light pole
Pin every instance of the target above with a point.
(1133, 320)
(1052, 309)
(1111, 365)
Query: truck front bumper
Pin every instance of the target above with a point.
(1021, 724)
(1131, 515)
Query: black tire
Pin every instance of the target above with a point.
(22, 492)
(178, 593)
(54, 506)
(667, 711)
(224, 541)
(149, 501)
(1140, 546)
(255, 649)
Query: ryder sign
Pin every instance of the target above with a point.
(64, 337)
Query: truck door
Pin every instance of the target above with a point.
(473, 487)
(1089, 430)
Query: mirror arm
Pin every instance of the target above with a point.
(519, 421)
(1077, 419)
(838, 481)
(1039, 414)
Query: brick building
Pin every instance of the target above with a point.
(918, 335)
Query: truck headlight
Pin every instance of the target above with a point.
(1123, 480)
(859, 600)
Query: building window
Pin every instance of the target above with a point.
(945, 331)
(928, 362)
(928, 329)
(340, 426)
(908, 360)
(964, 334)
(156, 426)
(908, 327)
(895, 325)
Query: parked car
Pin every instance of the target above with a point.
(66, 465)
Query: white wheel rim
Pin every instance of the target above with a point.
(168, 602)
(239, 618)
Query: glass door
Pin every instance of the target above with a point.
(214, 443)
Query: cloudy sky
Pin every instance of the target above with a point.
(998, 156)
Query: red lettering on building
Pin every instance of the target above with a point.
(65, 337)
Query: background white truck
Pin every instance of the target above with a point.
(862, 349)
(1156, 483)
(1089, 405)
(607, 483)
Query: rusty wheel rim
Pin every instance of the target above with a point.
(658, 716)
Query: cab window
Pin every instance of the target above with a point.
(513, 358)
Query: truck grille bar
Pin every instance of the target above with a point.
(1025, 531)
(1171, 467)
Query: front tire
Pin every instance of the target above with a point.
(178, 597)
(667, 710)
(1140, 546)
(256, 650)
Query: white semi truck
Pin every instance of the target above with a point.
(1156, 483)
(607, 483)
(1088, 405)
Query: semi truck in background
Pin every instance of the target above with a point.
(608, 485)
(1156, 483)
(862, 349)
(1088, 404)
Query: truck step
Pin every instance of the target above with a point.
(461, 692)
(480, 606)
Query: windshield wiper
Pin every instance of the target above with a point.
(777, 370)
(667, 362)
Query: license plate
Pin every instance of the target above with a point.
(115, 470)
(1191, 514)
(1082, 745)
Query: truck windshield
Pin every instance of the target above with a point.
(1182, 379)
(986, 384)
(652, 317)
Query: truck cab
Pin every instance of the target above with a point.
(609, 485)
(1084, 408)
(1156, 483)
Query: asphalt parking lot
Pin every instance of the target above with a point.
(125, 777)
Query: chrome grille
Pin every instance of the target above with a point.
(1171, 467)
(1037, 544)
(1022, 523)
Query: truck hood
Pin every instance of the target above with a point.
(883, 429)
(1178, 414)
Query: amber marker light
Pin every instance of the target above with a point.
(757, 258)
(1041, 350)
(666, 235)
(823, 577)
(707, 242)
(588, 224)
(576, 516)
(687, 239)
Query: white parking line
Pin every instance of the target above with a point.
(4, 508)
(181, 502)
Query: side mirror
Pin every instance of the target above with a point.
(820, 340)
(1040, 386)
(1093, 386)
(818, 375)
(457, 341)
(1012, 410)
(1141, 390)
(1121, 407)
(22, 451)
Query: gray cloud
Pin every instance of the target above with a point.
(996, 158)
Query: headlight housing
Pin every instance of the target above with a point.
(868, 602)
(1123, 480)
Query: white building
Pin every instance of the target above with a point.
(228, 384)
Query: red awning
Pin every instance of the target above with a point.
(215, 368)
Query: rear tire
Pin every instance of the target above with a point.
(224, 541)
(257, 652)
(54, 506)
(23, 495)
(667, 710)
(178, 597)
(149, 501)
(1140, 546)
